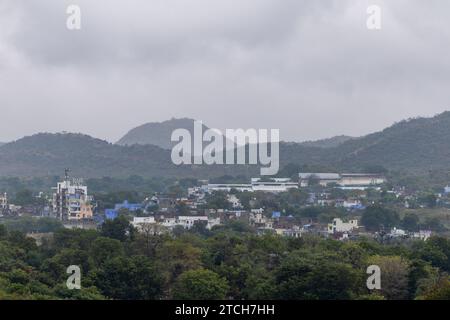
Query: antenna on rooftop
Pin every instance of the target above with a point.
(66, 173)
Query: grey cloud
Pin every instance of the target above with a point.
(310, 68)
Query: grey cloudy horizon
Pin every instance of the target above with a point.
(309, 68)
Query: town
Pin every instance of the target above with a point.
(341, 206)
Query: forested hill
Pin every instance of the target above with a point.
(46, 154)
(327, 143)
(416, 145)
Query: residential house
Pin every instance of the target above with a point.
(340, 226)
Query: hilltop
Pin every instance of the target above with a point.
(414, 145)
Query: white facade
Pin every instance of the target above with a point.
(361, 179)
(274, 185)
(422, 234)
(71, 201)
(294, 232)
(235, 203)
(397, 233)
(351, 203)
(342, 179)
(260, 219)
(227, 187)
(139, 221)
(3, 201)
(340, 226)
(187, 222)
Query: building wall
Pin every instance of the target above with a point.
(360, 180)
(3, 201)
(339, 226)
(71, 201)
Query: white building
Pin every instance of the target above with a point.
(187, 222)
(351, 203)
(340, 226)
(341, 179)
(361, 179)
(395, 233)
(71, 200)
(140, 221)
(4, 201)
(422, 234)
(322, 179)
(294, 232)
(257, 184)
(273, 185)
(227, 187)
(234, 201)
(258, 219)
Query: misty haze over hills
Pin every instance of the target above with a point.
(415, 145)
(158, 134)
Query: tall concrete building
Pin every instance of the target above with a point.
(3, 202)
(71, 200)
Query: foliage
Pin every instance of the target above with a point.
(228, 262)
(200, 284)
(377, 218)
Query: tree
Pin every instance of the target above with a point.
(104, 249)
(119, 228)
(24, 197)
(218, 200)
(394, 276)
(439, 290)
(313, 180)
(245, 199)
(182, 208)
(430, 200)
(3, 231)
(377, 218)
(28, 224)
(411, 222)
(57, 265)
(74, 238)
(152, 235)
(310, 277)
(434, 224)
(311, 212)
(435, 250)
(178, 256)
(134, 278)
(200, 284)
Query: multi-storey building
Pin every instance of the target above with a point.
(71, 200)
(3, 202)
(340, 226)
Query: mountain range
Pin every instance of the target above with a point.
(414, 145)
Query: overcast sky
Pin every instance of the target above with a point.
(310, 68)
